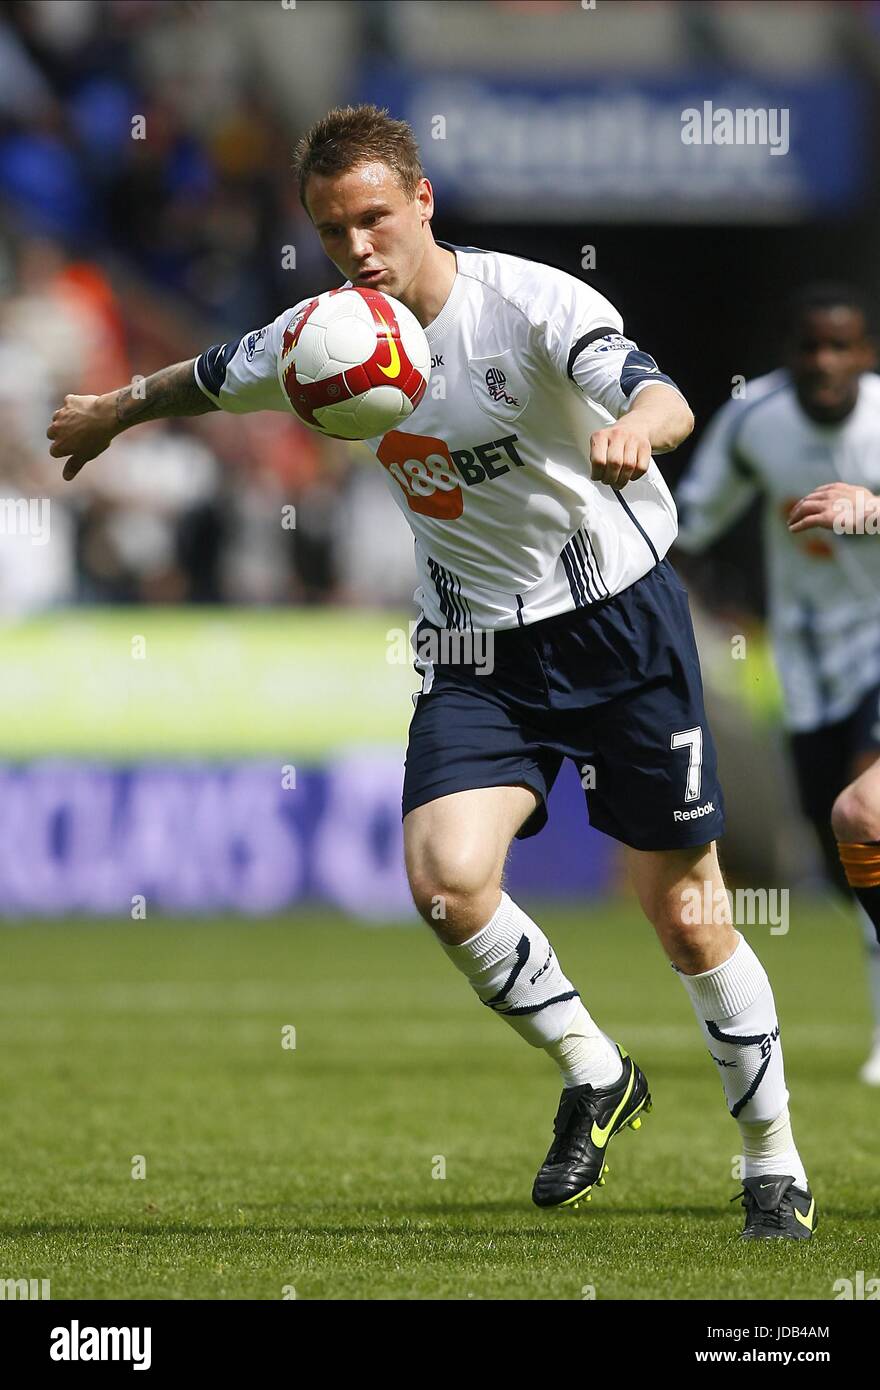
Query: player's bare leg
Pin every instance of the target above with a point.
(855, 820)
(455, 848)
(733, 1001)
(661, 879)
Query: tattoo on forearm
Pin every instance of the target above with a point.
(170, 392)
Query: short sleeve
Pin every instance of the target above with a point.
(585, 340)
(242, 375)
(568, 314)
(612, 369)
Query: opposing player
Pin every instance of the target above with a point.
(562, 565)
(814, 428)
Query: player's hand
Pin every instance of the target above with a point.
(840, 507)
(619, 453)
(81, 428)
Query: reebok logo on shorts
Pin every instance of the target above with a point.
(698, 811)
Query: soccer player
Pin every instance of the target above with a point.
(855, 815)
(814, 427)
(541, 520)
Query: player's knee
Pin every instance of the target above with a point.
(446, 884)
(685, 928)
(854, 819)
(671, 911)
(685, 941)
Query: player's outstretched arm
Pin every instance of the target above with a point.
(658, 420)
(83, 426)
(840, 507)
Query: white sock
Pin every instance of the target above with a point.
(768, 1147)
(735, 1008)
(584, 1054)
(514, 970)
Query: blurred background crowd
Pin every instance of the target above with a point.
(119, 254)
(147, 209)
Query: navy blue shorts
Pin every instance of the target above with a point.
(825, 759)
(616, 687)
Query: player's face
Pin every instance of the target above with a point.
(372, 232)
(831, 351)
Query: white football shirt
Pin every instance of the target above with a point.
(823, 589)
(491, 469)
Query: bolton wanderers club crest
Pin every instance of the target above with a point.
(498, 385)
(495, 384)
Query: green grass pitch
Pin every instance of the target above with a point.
(272, 1169)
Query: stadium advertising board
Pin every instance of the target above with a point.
(709, 149)
(228, 762)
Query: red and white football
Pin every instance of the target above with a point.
(354, 363)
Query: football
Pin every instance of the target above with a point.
(354, 363)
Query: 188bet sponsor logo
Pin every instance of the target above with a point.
(431, 474)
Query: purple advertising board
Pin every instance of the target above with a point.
(245, 837)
